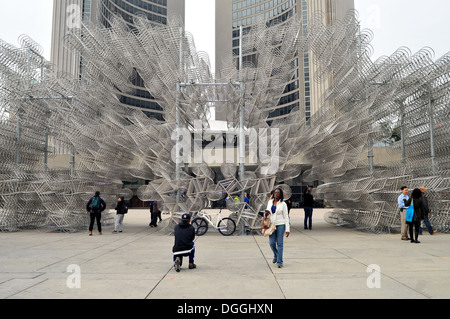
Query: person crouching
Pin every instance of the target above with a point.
(184, 242)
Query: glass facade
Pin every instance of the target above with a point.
(306, 70)
(156, 11)
(245, 13)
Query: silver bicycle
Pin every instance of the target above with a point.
(201, 221)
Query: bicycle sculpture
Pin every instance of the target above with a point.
(365, 103)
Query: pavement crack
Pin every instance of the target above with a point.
(270, 268)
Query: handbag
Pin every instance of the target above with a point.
(410, 212)
(269, 231)
(271, 227)
(265, 223)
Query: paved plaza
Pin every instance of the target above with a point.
(325, 262)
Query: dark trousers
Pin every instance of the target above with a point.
(153, 218)
(191, 256)
(416, 230)
(95, 217)
(308, 216)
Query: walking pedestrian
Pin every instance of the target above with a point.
(279, 217)
(426, 219)
(153, 213)
(402, 207)
(95, 206)
(308, 204)
(419, 213)
(121, 209)
(289, 205)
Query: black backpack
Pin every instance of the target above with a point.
(124, 209)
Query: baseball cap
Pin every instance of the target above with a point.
(185, 217)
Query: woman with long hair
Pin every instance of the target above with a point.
(279, 217)
(419, 214)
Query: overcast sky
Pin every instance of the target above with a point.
(395, 23)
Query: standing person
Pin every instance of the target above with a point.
(278, 212)
(401, 205)
(121, 209)
(427, 212)
(308, 204)
(289, 205)
(184, 243)
(419, 213)
(153, 213)
(246, 200)
(159, 215)
(95, 206)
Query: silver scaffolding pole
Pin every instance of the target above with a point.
(178, 122)
(241, 115)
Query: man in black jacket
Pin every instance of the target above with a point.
(308, 205)
(184, 242)
(427, 213)
(95, 206)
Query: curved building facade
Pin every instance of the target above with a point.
(232, 14)
(101, 11)
(156, 11)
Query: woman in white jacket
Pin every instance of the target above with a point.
(278, 211)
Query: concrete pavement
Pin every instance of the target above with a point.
(325, 262)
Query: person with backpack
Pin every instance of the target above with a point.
(121, 210)
(95, 206)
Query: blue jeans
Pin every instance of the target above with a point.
(276, 243)
(308, 216)
(191, 255)
(427, 224)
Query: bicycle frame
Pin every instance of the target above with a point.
(226, 226)
(207, 217)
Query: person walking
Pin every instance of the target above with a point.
(427, 213)
(184, 234)
(419, 213)
(279, 217)
(121, 210)
(95, 206)
(401, 205)
(308, 204)
(289, 205)
(153, 213)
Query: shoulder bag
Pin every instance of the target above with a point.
(410, 212)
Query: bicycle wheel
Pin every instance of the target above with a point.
(226, 226)
(200, 226)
